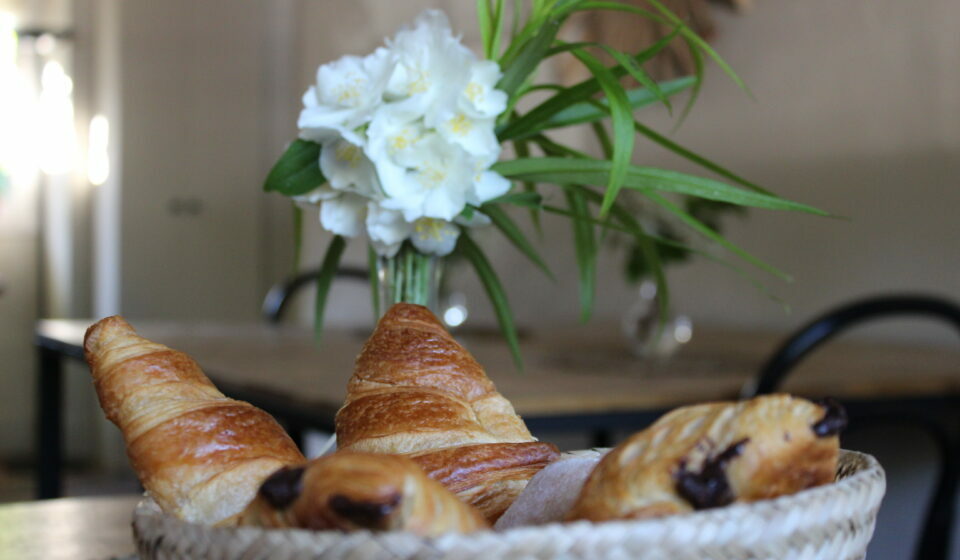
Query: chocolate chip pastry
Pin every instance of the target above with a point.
(713, 454)
(348, 491)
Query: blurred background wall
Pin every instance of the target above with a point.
(856, 110)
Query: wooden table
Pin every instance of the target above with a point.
(575, 379)
(68, 529)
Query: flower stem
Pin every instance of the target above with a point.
(409, 276)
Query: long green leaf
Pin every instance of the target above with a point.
(696, 158)
(498, 16)
(297, 236)
(328, 270)
(562, 171)
(572, 95)
(297, 171)
(698, 70)
(515, 235)
(672, 18)
(638, 74)
(485, 22)
(525, 199)
(523, 150)
(585, 249)
(709, 233)
(498, 296)
(595, 109)
(646, 244)
(529, 58)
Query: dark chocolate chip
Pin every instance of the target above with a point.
(708, 488)
(370, 515)
(834, 419)
(281, 488)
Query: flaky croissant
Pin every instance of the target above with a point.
(713, 454)
(348, 491)
(416, 391)
(200, 455)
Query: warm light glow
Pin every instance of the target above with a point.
(98, 157)
(57, 147)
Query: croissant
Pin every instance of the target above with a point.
(200, 455)
(348, 491)
(713, 454)
(416, 391)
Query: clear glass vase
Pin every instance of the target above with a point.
(409, 276)
(647, 334)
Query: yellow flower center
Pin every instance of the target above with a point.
(431, 177)
(474, 91)
(420, 82)
(348, 153)
(402, 141)
(460, 124)
(429, 228)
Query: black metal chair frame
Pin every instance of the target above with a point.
(279, 295)
(935, 539)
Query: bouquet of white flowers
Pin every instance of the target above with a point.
(404, 146)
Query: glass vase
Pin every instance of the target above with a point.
(647, 334)
(409, 276)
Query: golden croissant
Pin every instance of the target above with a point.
(416, 391)
(710, 455)
(199, 454)
(347, 491)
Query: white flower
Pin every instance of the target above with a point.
(432, 66)
(344, 215)
(347, 92)
(436, 183)
(434, 237)
(387, 229)
(346, 167)
(479, 99)
(407, 139)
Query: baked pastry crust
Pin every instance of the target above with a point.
(713, 454)
(416, 391)
(348, 491)
(199, 454)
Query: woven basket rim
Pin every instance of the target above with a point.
(868, 468)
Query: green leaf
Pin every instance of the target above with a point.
(505, 224)
(697, 85)
(498, 297)
(709, 233)
(523, 150)
(594, 110)
(638, 74)
(696, 158)
(498, 16)
(517, 72)
(562, 171)
(297, 171)
(585, 249)
(373, 271)
(647, 246)
(297, 236)
(526, 199)
(485, 22)
(328, 270)
(575, 94)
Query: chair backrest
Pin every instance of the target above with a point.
(935, 540)
(280, 294)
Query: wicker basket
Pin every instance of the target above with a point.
(833, 522)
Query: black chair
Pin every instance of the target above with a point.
(280, 294)
(935, 539)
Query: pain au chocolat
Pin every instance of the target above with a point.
(713, 454)
(415, 391)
